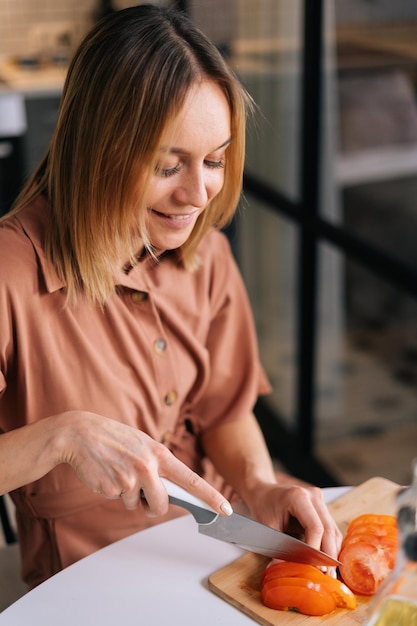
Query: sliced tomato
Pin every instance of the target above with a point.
(297, 594)
(390, 538)
(340, 592)
(378, 531)
(367, 519)
(373, 529)
(389, 544)
(364, 566)
(289, 569)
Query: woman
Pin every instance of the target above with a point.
(127, 348)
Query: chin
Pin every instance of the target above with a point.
(168, 243)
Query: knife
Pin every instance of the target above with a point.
(245, 532)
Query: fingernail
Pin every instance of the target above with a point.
(226, 507)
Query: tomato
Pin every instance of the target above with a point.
(368, 552)
(297, 594)
(342, 595)
(364, 566)
(367, 519)
(388, 544)
(289, 569)
(384, 534)
(373, 529)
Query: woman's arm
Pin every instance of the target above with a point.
(111, 458)
(27, 454)
(239, 453)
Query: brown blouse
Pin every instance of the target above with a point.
(173, 353)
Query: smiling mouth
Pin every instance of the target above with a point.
(172, 216)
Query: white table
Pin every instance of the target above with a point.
(155, 577)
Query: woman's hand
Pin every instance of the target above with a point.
(239, 453)
(277, 505)
(111, 458)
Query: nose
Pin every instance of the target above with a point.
(193, 188)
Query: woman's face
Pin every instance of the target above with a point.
(190, 168)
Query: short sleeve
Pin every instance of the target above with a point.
(236, 378)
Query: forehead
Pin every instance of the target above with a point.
(204, 117)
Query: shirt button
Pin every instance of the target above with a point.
(139, 296)
(170, 397)
(166, 437)
(159, 345)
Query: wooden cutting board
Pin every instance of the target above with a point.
(239, 582)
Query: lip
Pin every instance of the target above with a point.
(176, 221)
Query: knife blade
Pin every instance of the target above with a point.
(246, 533)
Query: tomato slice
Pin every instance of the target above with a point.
(389, 544)
(297, 594)
(379, 530)
(288, 569)
(364, 566)
(367, 519)
(340, 592)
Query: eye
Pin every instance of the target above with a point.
(214, 164)
(165, 172)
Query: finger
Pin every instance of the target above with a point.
(200, 488)
(332, 536)
(321, 531)
(130, 498)
(302, 508)
(332, 541)
(180, 474)
(314, 534)
(327, 539)
(153, 496)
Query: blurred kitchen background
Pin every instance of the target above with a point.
(326, 234)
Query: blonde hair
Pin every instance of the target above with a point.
(125, 85)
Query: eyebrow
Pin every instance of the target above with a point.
(174, 150)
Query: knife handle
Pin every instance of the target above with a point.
(200, 510)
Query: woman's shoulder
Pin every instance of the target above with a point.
(215, 247)
(14, 244)
(218, 264)
(17, 247)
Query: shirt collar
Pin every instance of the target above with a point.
(34, 220)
